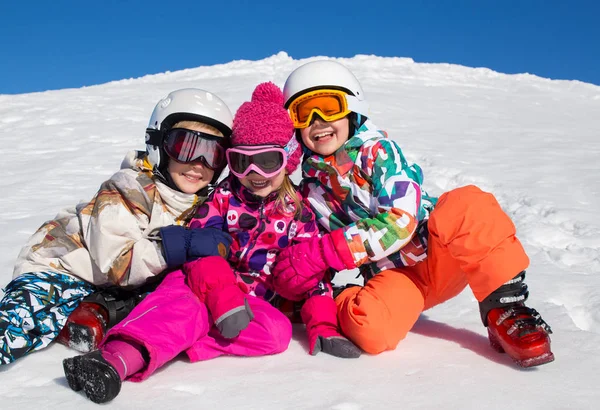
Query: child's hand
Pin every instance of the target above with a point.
(181, 245)
(208, 242)
(319, 314)
(298, 269)
(301, 267)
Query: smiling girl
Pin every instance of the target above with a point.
(213, 306)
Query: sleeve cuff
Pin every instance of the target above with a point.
(174, 245)
(342, 249)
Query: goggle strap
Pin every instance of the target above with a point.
(291, 146)
(154, 137)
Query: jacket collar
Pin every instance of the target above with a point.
(246, 196)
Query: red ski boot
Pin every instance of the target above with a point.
(521, 333)
(515, 328)
(96, 314)
(85, 327)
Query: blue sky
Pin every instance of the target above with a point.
(66, 44)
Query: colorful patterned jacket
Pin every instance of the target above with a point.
(113, 239)
(371, 194)
(259, 231)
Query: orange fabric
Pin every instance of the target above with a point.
(473, 230)
(471, 241)
(370, 315)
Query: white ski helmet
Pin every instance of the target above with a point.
(191, 104)
(326, 74)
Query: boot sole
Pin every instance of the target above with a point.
(525, 363)
(94, 381)
(70, 370)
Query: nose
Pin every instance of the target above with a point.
(316, 117)
(198, 163)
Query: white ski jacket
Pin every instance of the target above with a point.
(113, 239)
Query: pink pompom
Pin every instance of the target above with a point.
(268, 93)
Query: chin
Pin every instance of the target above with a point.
(262, 193)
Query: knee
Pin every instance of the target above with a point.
(466, 208)
(368, 327)
(274, 329)
(378, 316)
(464, 198)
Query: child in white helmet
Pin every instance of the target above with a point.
(380, 220)
(112, 241)
(213, 306)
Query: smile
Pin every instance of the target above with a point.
(322, 135)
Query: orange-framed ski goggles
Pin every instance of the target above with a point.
(331, 105)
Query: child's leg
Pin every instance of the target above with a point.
(469, 230)
(34, 309)
(470, 233)
(380, 314)
(167, 322)
(98, 312)
(270, 332)
(214, 282)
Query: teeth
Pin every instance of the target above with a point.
(321, 135)
(259, 184)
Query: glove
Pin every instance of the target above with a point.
(181, 245)
(319, 314)
(299, 268)
(214, 282)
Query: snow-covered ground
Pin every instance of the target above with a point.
(533, 142)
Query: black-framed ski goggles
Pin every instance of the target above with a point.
(186, 146)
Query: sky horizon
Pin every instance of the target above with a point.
(68, 44)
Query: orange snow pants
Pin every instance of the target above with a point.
(471, 242)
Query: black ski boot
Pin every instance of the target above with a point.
(97, 378)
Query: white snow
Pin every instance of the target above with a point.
(531, 141)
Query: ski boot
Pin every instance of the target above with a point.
(97, 378)
(97, 313)
(514, 328)
(85, 327)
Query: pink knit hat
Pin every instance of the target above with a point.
(264, 121)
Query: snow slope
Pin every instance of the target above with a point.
(531, 141)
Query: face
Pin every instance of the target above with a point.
(260, 185)
(191, 177)
(324, 137)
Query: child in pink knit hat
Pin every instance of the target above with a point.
(213, 306)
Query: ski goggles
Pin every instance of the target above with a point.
(266, 160)
(331, 105)
(186, 146)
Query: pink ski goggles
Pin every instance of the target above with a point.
(265, 160)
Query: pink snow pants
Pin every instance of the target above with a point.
(172, 320)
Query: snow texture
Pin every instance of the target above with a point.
(531, 141)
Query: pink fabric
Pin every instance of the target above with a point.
(209, 274)
(270, 332)
(172, 320)
(247, 216)
(264, 121)
(339, 245)
(319, 314)
(301, 267)
(126, 357)
(214, 282)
